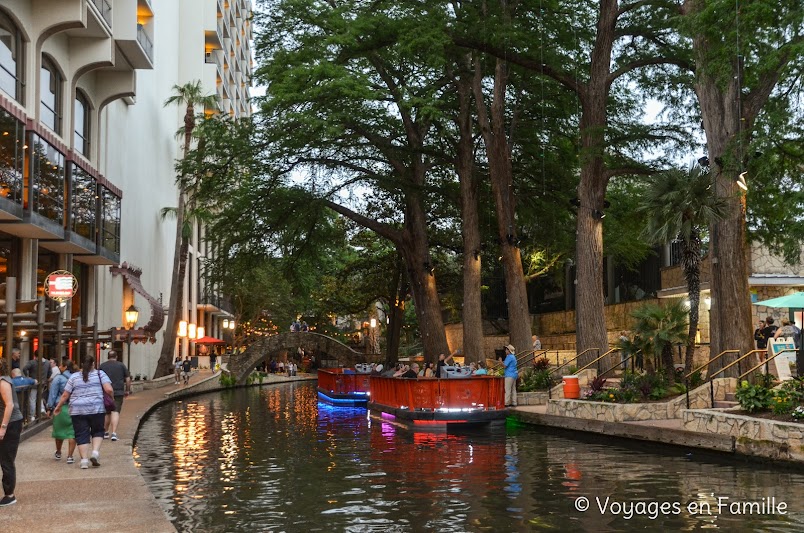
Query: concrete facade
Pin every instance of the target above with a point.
(122, 59)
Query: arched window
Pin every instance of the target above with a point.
(81, 118)
(10, 58)
(50, 83)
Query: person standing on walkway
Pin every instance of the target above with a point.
(121, 383)
(511, 376)
(85, 392)
(62, 424)
(176, 368)
(186, 369)
(10, 430)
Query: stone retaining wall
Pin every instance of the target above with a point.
(753, 436)
(626, 412)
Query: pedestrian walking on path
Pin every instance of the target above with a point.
(62, 424)
(85, 392)
(10, 430)
(121, 383)
(186, 369)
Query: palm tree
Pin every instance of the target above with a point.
(680, 205)
(191, 98)
(657, 329)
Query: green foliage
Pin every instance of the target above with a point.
(658, 327)
(537, 379)
(696, 379)
(542, 363)
(753, 398)
(227, 379)
(255, 377)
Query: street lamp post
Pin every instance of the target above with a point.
(132, 315)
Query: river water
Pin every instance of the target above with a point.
(274, 459)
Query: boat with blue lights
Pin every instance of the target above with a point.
(348, 387)
(438, 404)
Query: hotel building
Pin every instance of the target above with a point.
(87, 155)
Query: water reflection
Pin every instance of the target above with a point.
(275, 459)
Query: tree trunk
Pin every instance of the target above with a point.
(731, 301)
(471, 313)
(667, 363)
(399, 291)
(493, 128)
(692, 273)
(164, 365)
(590, 320)
(421, 275)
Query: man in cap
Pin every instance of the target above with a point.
(511, 376)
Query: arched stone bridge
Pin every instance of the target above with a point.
(242, 364)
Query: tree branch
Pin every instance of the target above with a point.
(383, 230)
(639, 63)
(563, 78)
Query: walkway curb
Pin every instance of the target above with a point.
(632, 430)
(53, 496)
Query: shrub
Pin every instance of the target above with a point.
(781, 403)
(227, 380)
(696, 379)
(753, 398)
(541, 364)
(798, 413)
(597, 384)
(537, 380)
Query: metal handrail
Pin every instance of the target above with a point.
(735, 362)
(705, 365)
(620, 363)
(574, 359)
(521, 361)
(598, 360)
(765, 362)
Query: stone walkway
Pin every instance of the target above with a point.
(54, 496)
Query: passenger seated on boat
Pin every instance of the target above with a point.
(401, 369)
(412, 372)
(481, 369)
(376, 370)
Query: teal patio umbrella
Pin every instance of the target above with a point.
(791, 301)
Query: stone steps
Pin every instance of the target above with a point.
(725, 404)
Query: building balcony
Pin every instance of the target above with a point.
(213, 303)
(133, 26)
(104, 9)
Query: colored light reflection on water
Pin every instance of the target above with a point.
(275, 459)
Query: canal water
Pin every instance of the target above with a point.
(274, 459)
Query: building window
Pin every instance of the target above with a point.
(49, 177)
(81, 118)
(50, 83)
(12, 155)
(83, 203)
(10, 58)
(110, 220)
